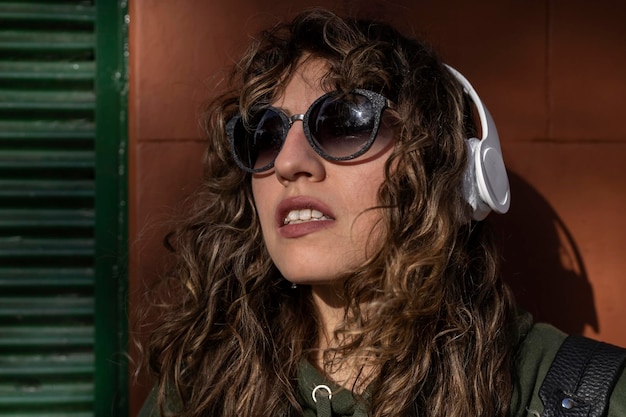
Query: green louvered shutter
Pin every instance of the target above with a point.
(60, 240)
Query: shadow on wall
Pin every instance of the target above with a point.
(542, 263)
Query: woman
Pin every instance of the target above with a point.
(331, 264)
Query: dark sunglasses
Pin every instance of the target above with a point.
(338, 126)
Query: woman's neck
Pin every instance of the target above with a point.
(331, 310)
(330, 307)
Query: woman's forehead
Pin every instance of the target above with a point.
(309, 75)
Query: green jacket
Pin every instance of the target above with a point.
(538, 348)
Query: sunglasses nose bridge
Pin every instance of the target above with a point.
(297, 156)
(295, 117)
(292, 119)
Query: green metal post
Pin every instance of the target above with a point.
(111, 381)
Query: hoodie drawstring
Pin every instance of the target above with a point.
(322, 398)
(322, 395)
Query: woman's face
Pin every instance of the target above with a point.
(334, 230)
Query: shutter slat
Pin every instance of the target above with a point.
(48, 394)
(46, 100)
(46, 277)
(46, 159)
(40, 40)
(40, 413)
(45, 365)
(36, 218)
(46, 189)
(24, 247)
(47, 12)
(24, 307)
(47, 71)
(52, 130)
(46, 337)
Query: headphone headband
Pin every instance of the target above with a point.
(486, 183)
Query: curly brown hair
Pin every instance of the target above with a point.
(427, 310)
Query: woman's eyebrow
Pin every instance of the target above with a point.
(281, 109)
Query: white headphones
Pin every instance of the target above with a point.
(485, 183)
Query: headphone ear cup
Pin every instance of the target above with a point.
(491, 177)
(471, 189)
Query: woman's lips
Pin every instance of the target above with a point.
(299, 216)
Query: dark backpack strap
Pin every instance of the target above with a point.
(581, 378)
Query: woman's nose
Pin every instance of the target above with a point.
(297, 158)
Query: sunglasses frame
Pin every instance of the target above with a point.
(379, 103)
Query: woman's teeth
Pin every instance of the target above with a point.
(305, 215)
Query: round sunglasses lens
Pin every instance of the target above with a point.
(343, 126)
(259, 142)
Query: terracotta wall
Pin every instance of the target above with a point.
(551, 72)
